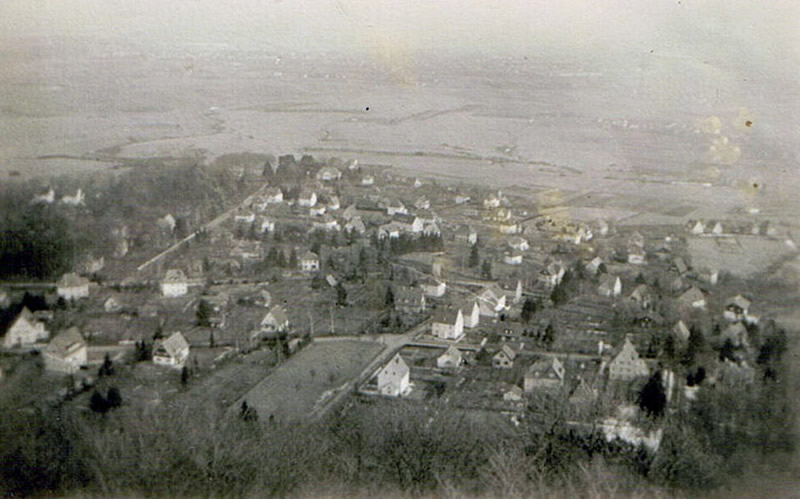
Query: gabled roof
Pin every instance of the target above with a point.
(453, 353)
(507, 351)
(309, 255)
(65, 343)
(407, 295)
(681, 331)
(175, 344)
(278, 315)
(692, 295)
(72, 280)
(446, 315)
(738, 300)
(542, 367)
(175, 275)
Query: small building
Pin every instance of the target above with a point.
(66, 352)
(394, 378)
(309, 262)
(642, 296)
(395, 207)
(593, 267)
(736, 333)
(307, 198)
(355, 225)
(173, 351)
(551, 275)
(317, 210)
(508, 227)
(736, 308)
(544, 374)
(504, 358)
(627, 364)
(273, 195)
(492, 301)
(432, 229)
(276, 320)
(583, 393)
(471, 312)
(174, 284)
(610, 286)
(244, 217)
(717, 229)
(680, 332)
(448, 324)
(493, 201)
(636, 256)
(167, 223)
(466, 234)
(367, 180)
(422, 203)
(680, 266)
(518, 243)
(328, 173)
(512, 289)
(409, 300)
(112, 305)
(452, 357)
(327, 223)
(512, 258)
(513, 394)
(434, 288)
(696, 227)
(25, 331)
(71, 286)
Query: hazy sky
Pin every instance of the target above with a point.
(726, 28)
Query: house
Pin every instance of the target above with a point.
(648, 318)
(167, 223)
(173, 352)
(432, 230)
(317, 210)
(583, 393)
(434, 288)
(709, 276)
(174, 284)
(627, 365)
(448, 324)
(417, 183)
(693, 298)
(610, 286)
(680, 266)
(309, 262)
(551, 275)
(513, 394)
(696, 227)
(493, 201)
(636, 240)
(265, 225)
(636, 256)
(518, 243)
(736, 333)
(642, 296)
(717, 230)
(593, 267)
(462, 199)
(680, 332)
(544, 374)
(452, 357)
(422, 203)
(471, 312)
(355, 225)
(507, 227)
(273, 195)
(602, 227)
(25, 331)
(244, 217)
(307, 198)
(736, 308)
(326, 223)
(395, 207)
(393, 378)
(112, 305)
(492, 301)
(66, 352)
(4, 300)
(334, 203)
(466, 234)
(276, 320)
(504, 358)
(71, 286)
(392, 230)
(512, 258)
(329, 173)
(409, 300)
(47, 197)
(367, 180)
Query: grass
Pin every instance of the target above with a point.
(293, 389)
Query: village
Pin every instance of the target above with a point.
(337, 283)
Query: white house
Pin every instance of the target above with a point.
(396, 208)
(627, 364)
(493, 201)
(76, 200)
(309, 262)
(422, 203)
(394, 378)
(544, 374)
(328, 173)
(265, 225)
(693, 298)
(171, 352)
(736, 308)
(432, 230)
(508, 227)
(327, 223)
(452, 357)
(551, 275)
(307, 198)
(504, 358)
(518, 243)
(275, 321)
(367, 180)
(244, 217)
(71, 286)
(25, 331)
(355, 225)
(167, 223)
(316, 211)
(45, 197)
(448, 324)
(512, 258)
(66, 352)
(466, 234)
(174, 284)
(434, 288)
(594, 266)
(492, 301)
(610, 286)
(273, 195)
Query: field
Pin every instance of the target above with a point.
(293, 390)
(741, 256)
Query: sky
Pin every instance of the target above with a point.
(764, 31)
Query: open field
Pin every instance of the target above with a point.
(743, 256)
(293, 389)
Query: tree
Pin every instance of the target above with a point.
(184, 375)
(113, 398)
(341, 295)
(247, 413)
(549, 336)
(474, 256)
(728, 351)
(652, 397)
(293, 258)
(486, 269)
(98, 403)
(158, 333)
(107, 369)
(211, 340)
(204, 311)
(559, 295)
(528, 309)
(143, 352)
(694, 346)
(389, 300)
(281, 259)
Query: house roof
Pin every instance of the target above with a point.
(175, 344)
(608, 281)
(72, 280)
(738, 300)
(452, 352)
(65, 342)
(507, 351)
(446, 315)
(309, 255)
(408, 295)
(175, 275)
(692, 295)
(541, 367)
(681, 331)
